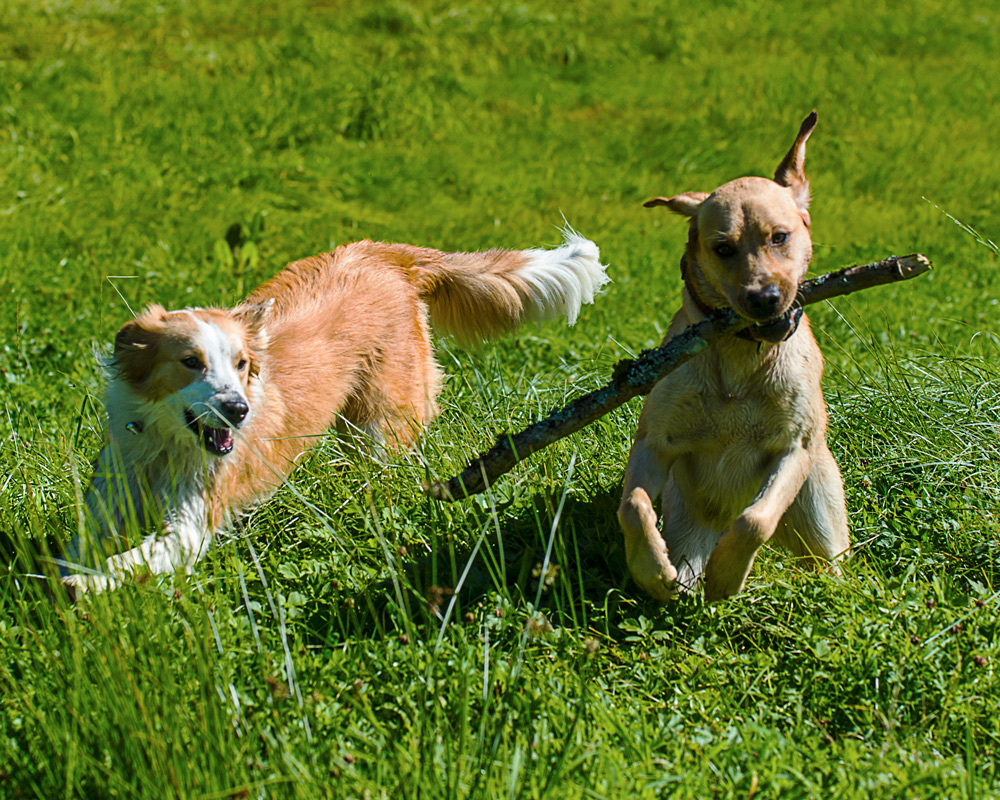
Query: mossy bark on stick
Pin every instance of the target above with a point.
(633, 377)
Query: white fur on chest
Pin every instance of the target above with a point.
(152, 462)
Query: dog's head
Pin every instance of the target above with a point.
(749, 244)
(192, 371)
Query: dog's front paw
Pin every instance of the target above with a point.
(718, 587)
(728, 567)
(79, 584)
(653, 572)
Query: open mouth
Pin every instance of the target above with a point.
(217, 441)
(776, 330)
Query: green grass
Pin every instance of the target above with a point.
(309, 655)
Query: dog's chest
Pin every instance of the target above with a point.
(731, 424)
(708, 411)
(722, 436)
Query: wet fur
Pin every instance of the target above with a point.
(733, 443)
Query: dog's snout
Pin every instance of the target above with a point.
(764, 303)
(234, 409)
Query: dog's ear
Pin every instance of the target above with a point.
(135, 342)
(141, 332)
(791, 171)
(254, 315)
(686, 204)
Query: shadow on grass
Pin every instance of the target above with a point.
(566, 571)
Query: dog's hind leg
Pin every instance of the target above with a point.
(815, 526)
(391, 404)
(645, 551)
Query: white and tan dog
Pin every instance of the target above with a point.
(207, 409)
(733, 443)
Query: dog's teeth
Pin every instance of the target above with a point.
(222, 438)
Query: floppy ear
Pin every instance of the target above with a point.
(791, 171)
(140, 333)
(135, 343)
(686, 204)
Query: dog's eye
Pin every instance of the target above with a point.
(192, 362)
(779, 238)
(242, 365)
(724, 250)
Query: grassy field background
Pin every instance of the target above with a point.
(319, 651)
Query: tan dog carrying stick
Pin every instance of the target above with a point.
(638, 376)
(733, 442)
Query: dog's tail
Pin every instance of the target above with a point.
(476, 296)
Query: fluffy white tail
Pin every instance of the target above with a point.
(476, 296)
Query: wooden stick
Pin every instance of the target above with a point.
(632, 377)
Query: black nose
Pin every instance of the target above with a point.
(764, 303)
(235, 411)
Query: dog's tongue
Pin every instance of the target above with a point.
(221, 438)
